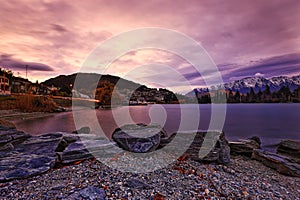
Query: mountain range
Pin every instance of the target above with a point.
(258, 83)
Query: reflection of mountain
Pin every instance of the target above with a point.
(257, 83)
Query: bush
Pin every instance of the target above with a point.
(30, 103)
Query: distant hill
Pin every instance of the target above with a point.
(88, 85)
(89, 81)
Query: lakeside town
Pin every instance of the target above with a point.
(105, 92)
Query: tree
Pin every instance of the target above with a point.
(252, 96)
(237, 97)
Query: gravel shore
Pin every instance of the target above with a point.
(242, 179)
(15, 115)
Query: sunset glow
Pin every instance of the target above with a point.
(243, 38)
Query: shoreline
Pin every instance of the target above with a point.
(13, 116)
(243, 179)
(183, 179)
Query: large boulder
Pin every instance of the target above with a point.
(280, 163)
(245, 147)
(289, 148)
(210, 146)
(138, 138)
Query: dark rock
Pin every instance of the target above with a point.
(89, 193)
(280, 163)
(136, 184)
(289, 148)
(215, 148)
(23, 165)
(33, 156)
(86, 149)
(83, 130)
(138, 138)
(11, 135)
(165, 140)
(256, 139)
(245, 147)
(7, 147)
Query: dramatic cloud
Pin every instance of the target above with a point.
(7, 61)
(242, 37)
(288, 64)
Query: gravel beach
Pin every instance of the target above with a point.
(242, 179)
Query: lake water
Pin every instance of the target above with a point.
(271, 122)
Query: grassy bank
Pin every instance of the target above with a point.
(27, 103)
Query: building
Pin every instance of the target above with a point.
(4, 86)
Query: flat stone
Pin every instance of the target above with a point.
(137, 184)
(24, 165)
(33, 156)
(89, 193)
(280, 163)
(12, 135)
(244, 147)
(86, 149)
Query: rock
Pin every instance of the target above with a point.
(280, 163)
(137, 184)
(59, 109)
(83, 130)
(138, 138)
(289, 148)
(256, 139)
(11, 135)
(245, 147)
(86, 149)
(216, 147)
(7, 147)
(89, 193)
(35, 155)
(165, 140)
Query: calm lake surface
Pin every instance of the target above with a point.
(271, 122)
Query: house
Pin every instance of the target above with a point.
(5, 88)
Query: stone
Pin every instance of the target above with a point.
(215, 148)
(138, 138)
(11, 135)
(23, 165)
(280, 163)
(83, 130)
(245, 147)
(86, 149)
(289, 148)
(136, 184)
(165, 140)
(89, 193)
(7, 147)
(92, 193)
(35, 155)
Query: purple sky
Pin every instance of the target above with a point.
(243, 38)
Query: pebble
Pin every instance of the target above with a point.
(242, 179)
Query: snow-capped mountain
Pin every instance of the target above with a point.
(257, 83)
